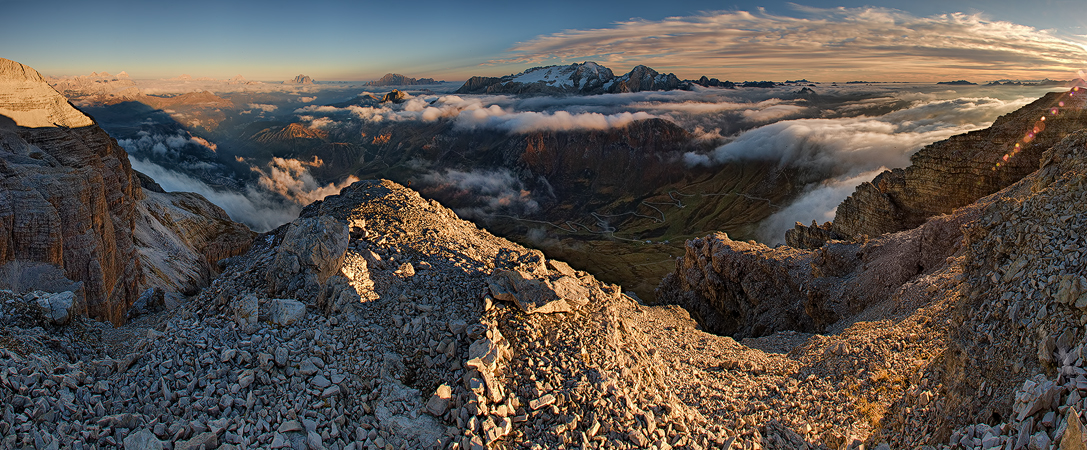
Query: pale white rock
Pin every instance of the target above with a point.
(29, 100)
(312, 250)
(285, 312)
(439, 402)
(245, 311)
(59, 306)
(142, 440)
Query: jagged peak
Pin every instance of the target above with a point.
(31, 102)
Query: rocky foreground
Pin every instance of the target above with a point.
(378, 319)
(973, 320)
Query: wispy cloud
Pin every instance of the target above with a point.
(836, 155)
(291, 179)
(480, 193)
(833, 44)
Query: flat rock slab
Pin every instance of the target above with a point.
(532, 295)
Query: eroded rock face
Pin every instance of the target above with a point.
(746, 289)
(182, 236)
(954, 172)
(70, 199)
(26, 98)
(67, 198)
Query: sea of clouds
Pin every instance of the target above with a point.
(840, 137)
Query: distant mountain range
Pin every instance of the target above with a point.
(300, 79)
(580, 78)
(395, 79)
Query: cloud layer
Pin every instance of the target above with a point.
(476, 112)
(477, 194)
(284, 186)
(291, 179)
(834, 44)
(836, 155)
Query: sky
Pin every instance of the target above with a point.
(921, 40)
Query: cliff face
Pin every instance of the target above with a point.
(644, 153)
(746, 289)
(955, 172)
(181, 237)
(68, 198)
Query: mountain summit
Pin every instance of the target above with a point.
(27, 99)
(395, 79)
(580, 79)
(75, 217)
(300, 79)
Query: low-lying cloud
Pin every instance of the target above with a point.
(262, 107)
(835, 155)
(818, 203)
(283, 187)
(477, 194)
(473, 113)
(257, 209)
(847, 146)
(165, 144)
(291, 179)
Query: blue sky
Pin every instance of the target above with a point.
(883, 40)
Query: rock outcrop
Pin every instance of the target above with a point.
(999, 282)
(67, 196)
(181, 237)
(954, 172)
(300, 79)
(746, 289)
(69, 199)
(28, 100)
(394, 96)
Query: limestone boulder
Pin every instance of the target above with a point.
(285, 312)
(311, 252)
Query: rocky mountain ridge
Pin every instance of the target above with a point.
(395, 79)
(300, 79)
(69, 200)
(998, 283)
(579, 78)
(379, 319)
(952, 173)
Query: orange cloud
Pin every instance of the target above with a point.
(838, 44)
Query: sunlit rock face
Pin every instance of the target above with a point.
(70, 199)
(953, 173)
(67, 195)
(28, 100)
